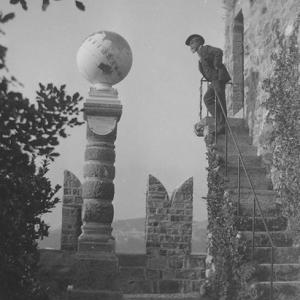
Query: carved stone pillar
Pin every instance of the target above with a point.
(104, 59)
(102, 113)
(97, 265)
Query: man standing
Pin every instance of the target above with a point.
(214, 71)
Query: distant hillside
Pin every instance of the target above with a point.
(130, 236)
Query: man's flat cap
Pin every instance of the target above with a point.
(193, 36)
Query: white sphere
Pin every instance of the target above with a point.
(105, 58)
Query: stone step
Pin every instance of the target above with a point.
(238, 127)
(239, 123)
(241, 138)
(244, 145)
(252, 170)
(189, 296)
(267, 200)
(235, 123)
(255, 173)
(281, 255)
(257, 176)
(244, 223)
(265, 184)
(279, 238)
(243, 142)
(281, 272)
(250, 160)
(266, 195)
(284, 290)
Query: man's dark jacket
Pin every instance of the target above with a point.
(210, 64)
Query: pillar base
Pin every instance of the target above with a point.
(96, 247)
(95, 277)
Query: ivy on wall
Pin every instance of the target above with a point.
(232, 269)
(283, 105)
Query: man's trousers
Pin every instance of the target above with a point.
(216, 87)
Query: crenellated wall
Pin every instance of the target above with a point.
(167, 266)
(168, 225)
(250, 27)
(56, 274)
(168, 238)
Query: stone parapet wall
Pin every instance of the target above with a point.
(260, 19)
(134, 277)
(167, 266)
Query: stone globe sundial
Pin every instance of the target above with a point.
(104, 59)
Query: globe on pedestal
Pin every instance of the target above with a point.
(104, 58)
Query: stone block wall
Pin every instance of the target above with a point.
(167, 266)
(71, 211)
(252, 23)
(168, 231)
(56, 274)
(135, 276)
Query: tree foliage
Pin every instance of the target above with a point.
(45, 4)
(29, 135)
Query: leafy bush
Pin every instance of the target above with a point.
(29, 135)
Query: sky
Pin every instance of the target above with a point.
(160, 95)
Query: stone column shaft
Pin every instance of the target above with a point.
(96, 268)
(104, 59)
(102, 112)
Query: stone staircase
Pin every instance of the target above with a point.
(286, 257)
(286, 271)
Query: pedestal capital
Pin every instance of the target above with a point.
(103, 108)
